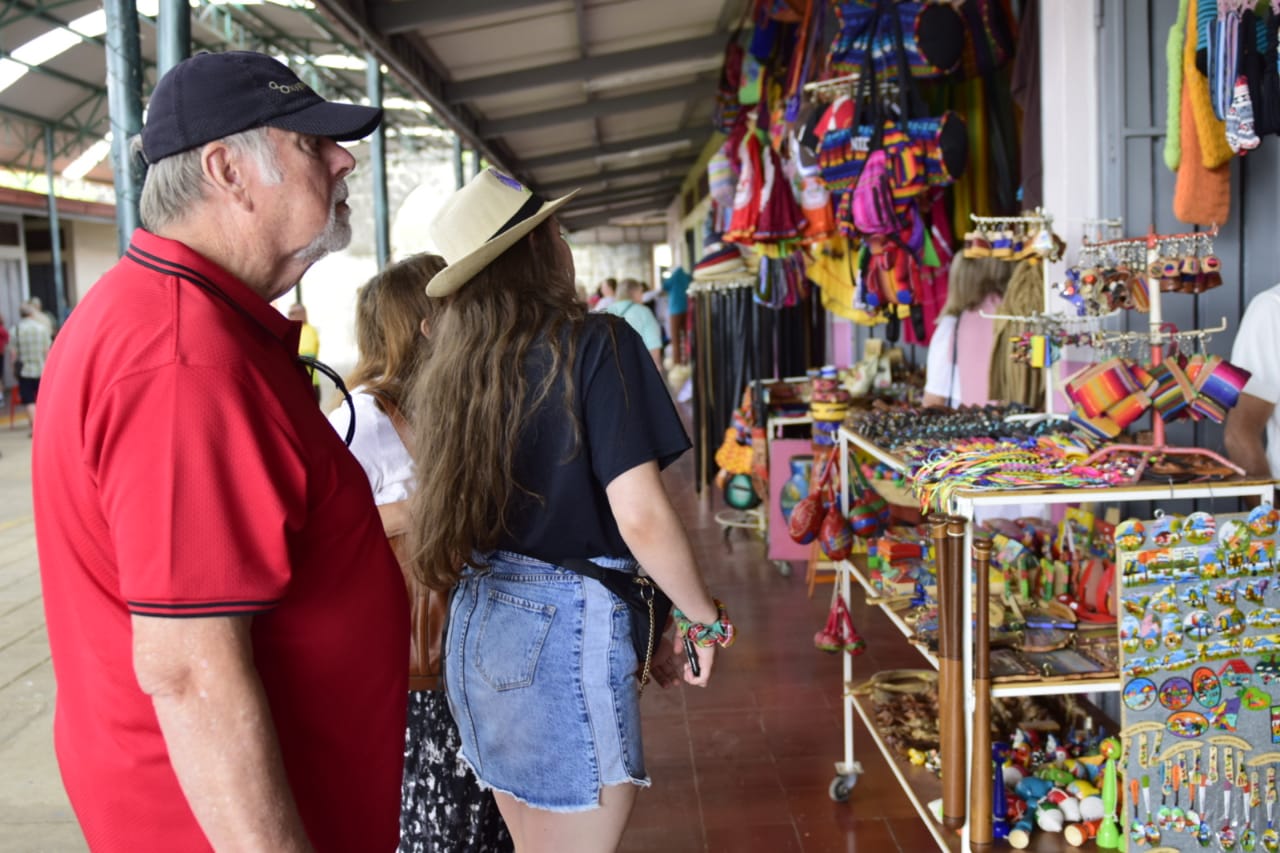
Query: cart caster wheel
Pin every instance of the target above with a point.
(784, 568)
(841, 787)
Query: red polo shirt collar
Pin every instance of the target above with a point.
(178, 259)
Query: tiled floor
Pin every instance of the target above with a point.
(744, 765)
(739, 767)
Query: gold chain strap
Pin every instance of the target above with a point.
(648, 652)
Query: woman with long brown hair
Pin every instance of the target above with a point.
(441, 806)
(542, 433)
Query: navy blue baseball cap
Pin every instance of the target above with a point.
(212, 95)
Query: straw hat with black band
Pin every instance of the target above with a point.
(481, 221)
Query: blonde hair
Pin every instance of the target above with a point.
(390, 310)
(971, 280)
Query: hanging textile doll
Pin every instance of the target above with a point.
(746, 200)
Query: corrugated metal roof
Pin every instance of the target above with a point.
(613, 96)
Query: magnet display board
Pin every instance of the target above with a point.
(1200, 689)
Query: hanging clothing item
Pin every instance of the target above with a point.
(1012, 381)
(1201, 195)
(780, 218)
(1210, 130)
(1173, 109)
(746, 200)
(1025, 87)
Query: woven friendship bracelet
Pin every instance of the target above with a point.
(718, 633)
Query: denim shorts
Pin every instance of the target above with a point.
(540, 674)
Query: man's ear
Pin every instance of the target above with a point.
(224, 169)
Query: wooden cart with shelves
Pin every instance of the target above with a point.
(964, 504)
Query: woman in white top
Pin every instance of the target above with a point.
(960, 351)
(442, 808)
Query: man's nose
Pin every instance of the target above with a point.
(342, 160)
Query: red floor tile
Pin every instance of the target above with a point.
(745, 764)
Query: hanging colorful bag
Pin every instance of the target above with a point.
(807, 515)
(934, 37)
(868, 512)
(872, 202)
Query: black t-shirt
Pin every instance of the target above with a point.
(627, 418)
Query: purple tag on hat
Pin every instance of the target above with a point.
(508, 180)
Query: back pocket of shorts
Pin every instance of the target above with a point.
(512, 632)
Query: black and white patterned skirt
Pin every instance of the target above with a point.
(442, 809)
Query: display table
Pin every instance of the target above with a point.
(963, 504)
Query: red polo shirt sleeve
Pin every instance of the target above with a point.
(201, 529)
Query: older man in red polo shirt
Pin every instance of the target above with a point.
(227, 621)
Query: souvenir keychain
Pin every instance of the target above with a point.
(1194, 782)
(1227, 834)
(1204, 833)
(1271, 838)
(1249, 838)
(1138, 830)
(1166, 788)
(1150, 832)
(1179, 818)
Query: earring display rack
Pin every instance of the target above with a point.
(920, 786)
(1039, 223)
(1157, 336)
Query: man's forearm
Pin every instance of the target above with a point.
(222, 742)
(224, 752)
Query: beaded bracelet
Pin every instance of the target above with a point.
(718, 633)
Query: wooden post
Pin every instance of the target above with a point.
(981, 782)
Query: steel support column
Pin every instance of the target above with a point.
(475, 162)
(173, 34)
(378, 160)
(124, 98)
(458, 178)
(55, 232)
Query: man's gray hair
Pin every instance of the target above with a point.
(176, 184)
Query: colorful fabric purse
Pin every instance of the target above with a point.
(934, 38)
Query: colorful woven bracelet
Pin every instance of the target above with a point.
(718, 633)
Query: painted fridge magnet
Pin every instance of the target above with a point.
(1139, 694)
(1175, 693)
(1263, 520)
(1130, 534)
(1200, 528)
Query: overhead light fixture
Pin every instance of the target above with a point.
(55, 42)
(92, 156)
(640, 153)
(665, 71)
(425, 131)
(406, 104)
(340, 61)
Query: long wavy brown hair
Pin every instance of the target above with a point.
(470, 400)
(390, 309)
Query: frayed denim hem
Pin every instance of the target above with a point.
(646, 782)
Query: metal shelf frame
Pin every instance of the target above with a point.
(964, 504)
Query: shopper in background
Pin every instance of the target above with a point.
(308, 343)
(676, 285)
(4, 351)
(44, 316)
(1252, 433)
(540, 431)
(226, 619)
(959, 365)
(441, 805)
(33, 340)
(606, 293)
(630, 307)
